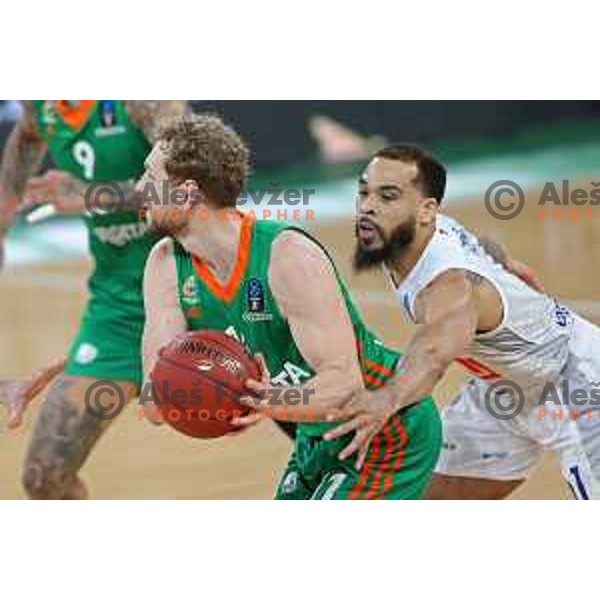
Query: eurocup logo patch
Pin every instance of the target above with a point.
(256, 296)
(108, 113)
(255, 301)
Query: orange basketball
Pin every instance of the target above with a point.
(198, 380)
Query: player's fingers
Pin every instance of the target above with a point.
(155, 418)
(354, 446)
(247, 420)
(264, 369)
(36, 182)
(362, 452)
(15, 415)
(344, 428)
(42, 377)
(54, 175)
(257, 403)
(12, 397)
(255, 386)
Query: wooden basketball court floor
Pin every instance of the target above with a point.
(39, 313)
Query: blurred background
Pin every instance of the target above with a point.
(320, 145)
(323, 143)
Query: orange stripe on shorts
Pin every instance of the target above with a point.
(401, 431)
(377, 367)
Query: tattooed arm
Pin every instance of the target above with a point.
(22, 157)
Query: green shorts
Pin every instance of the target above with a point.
(107, 348)
(398, 466)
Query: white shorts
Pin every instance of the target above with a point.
(478, 444)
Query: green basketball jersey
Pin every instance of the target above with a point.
(247, 310)
(95, 141)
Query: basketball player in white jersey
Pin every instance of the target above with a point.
(470, 308)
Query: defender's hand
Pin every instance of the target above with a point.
(365, 414)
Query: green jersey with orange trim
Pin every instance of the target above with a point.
(96, 141)
(247, 310)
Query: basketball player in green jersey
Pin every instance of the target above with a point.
(273, 287)
(88, 141)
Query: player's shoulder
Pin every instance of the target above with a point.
(294, 238)
(162, 251)
(296, 261)
(161, 269)
(293, 245)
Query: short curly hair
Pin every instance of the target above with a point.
(201, 147)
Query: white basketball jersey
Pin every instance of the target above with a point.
(530, 346)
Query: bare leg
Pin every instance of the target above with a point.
(63, 436)
(446, 487)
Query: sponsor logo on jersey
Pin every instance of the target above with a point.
(86, 354)
(255, 298)
(121, 235)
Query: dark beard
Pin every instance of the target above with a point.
(365, 259)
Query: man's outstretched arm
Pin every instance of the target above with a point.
(448, 316)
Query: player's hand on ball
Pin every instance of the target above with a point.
(259, 401)
(365, 415)
(15, 395)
